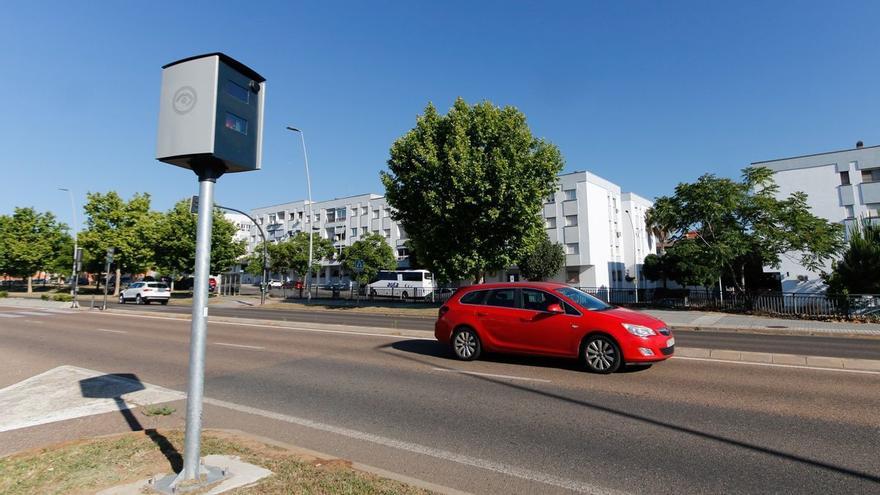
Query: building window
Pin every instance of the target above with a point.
(331, 215)
(364, 210)
(363, 231)
(340, 214)
(572, 277)
(375, 214)
(354, 232)
(849, 212)
(571, 220)
(872, 175)
(844, 178)
(550, 223)
(873, 210)
(570, 194)
(272, 219)
(385, 212)
(317, 217)
(571, 249)
(386, 233)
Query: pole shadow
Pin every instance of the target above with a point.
(750, 447)
(114, 386)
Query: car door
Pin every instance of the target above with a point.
(500, 317)
(131, 292)
(545, 332)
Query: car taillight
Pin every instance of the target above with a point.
(443, 311)
(148, 290)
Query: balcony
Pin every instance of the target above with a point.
(870, 192)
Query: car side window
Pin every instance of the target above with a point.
(537, 300)
(475, 297)
(505, 298)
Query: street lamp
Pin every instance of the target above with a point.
(263, 283)
(635, 256)
(311, 217)
(74, 284)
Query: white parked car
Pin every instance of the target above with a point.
(275, 284)
(145, 293)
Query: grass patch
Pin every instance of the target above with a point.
(92, 465)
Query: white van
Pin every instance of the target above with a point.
(403, 284)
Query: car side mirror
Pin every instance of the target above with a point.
(555, 308)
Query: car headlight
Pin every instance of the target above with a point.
(638, 330)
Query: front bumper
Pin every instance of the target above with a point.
(649, 350)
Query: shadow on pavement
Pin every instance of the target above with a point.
(114, 386)
(440, 352)
(436, 349)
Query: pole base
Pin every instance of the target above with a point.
(175, 484)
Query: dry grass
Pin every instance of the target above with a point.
(89, 466)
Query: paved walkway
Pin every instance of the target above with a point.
(706, 320)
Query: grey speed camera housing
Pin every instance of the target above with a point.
(211, 114)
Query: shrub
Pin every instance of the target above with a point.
(44, 297)
(62, 297)
(3, 293)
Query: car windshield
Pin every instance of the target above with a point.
(584, 300)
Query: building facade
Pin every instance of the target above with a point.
(601, 229)
(841, 187)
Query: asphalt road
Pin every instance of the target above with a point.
(502, 425)
(843, 347)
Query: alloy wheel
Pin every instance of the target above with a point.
(466, 345)
(601, 355)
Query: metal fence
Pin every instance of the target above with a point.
(412, 295)
(771, 303)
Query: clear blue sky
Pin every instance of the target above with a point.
(644, 94)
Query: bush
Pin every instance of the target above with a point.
(62, 297)
(3, 293)
(44, 297)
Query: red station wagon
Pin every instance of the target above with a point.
(550, 319)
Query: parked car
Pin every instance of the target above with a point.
(550, 319)
(275, 284)
(145, 293)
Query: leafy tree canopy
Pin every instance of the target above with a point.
(175, 241)
(30, 241)
(374, 252)
(740, 227)
(542, 261)
(858, 270)
(468, 188)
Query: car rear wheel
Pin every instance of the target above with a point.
(404, 296)
(601, 354)
(466, 344)
(372, 293)
(165, 302)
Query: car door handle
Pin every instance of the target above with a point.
(482, 314)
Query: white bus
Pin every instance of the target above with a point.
(403, 284)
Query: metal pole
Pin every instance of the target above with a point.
(263, 286)
(311, 216)
(635, 257)
(196, 386)
(75, 283)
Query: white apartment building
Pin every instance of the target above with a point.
(841, 186)
(243, 226)
(601, 229)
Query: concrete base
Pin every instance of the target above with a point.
(237, 474)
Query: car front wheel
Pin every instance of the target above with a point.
(121, 299)
(466, 345)
(601, 354)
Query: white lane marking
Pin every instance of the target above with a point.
(110, 331)
(240, 346)
(9, 315)
(58, 311)
(32, 313)
(446, 455)
(492, 375)
(777, 365)
(276, 327)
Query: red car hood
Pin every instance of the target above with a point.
(624, 315)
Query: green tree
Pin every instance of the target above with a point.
(374, 252)
(29, 242)
(175, 241)
(858, 270)
(542, 261)
(126, 226)
(468, 188)
(291, 254)
(737, 228)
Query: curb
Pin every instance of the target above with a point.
(816, 332)
(783, 359)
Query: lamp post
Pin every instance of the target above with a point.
(263, 284)
(74, 284)
(311, 217)
(635, 256)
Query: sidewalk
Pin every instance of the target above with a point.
(706, 320)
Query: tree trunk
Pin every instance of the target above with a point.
(118, 282)
(30, 284)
